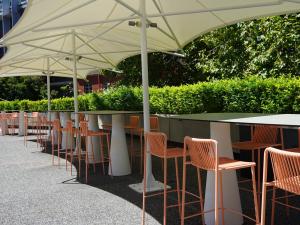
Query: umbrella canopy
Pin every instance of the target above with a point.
(107, 31)
(104, 32)
(38, 67)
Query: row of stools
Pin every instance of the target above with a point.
(203, 155)
(83, 138)
(9, 123)
(38, 124)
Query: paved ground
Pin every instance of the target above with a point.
(32, 192)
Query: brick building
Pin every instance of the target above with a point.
(95, 83)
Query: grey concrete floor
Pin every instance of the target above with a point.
(32, 191)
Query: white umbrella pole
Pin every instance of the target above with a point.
(144, 57)
(48, 89)
(75, 88)
(49, 96)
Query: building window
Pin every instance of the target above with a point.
(88, 88)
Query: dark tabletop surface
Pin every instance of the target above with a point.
(109, 112)
(61, 111)
(289, 120)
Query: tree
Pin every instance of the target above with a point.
(267, 47)
(32, 88)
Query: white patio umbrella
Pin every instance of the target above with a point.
(42, 66)
(23, 60)
(104, 32)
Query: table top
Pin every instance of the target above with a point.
(288, 120)
(67, 110)
(109, 112)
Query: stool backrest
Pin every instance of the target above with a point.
(265, 134)
(203, 152)
(34, 114)
(157, 142)
(286, 169)
(15, 115)
(56, 124)
(81, 117)
(69, 125)
(134, 121)
(154, 123)
(83, 128)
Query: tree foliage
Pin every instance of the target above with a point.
(251, 94)
(268, 47)
(33, 88)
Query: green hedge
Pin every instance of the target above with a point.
(254, 94)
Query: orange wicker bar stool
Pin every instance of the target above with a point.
(2, 121)
(31, 121)
(25, 128)
(43, 125)
(34, 122)
(88, 134)
(157, 142)
(13, 122)
(133, 127)
(261, 138)
(56, 132)
(203, 154)
(286, 170)
(71, 152)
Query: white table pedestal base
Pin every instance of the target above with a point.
(154, 186)
(21, 129)
(64, 117)
(231, 196)
(93, 125)
(118, 150)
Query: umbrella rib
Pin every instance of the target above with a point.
(101, 33)
(87, 23)
(45, 48)
(139, 14)
(120, 42)
(52, 18)
(36, 69)
(27, 68)
(57, 61)
(93, 67)
(63, 52)
(109, 40)
(8, 70)
(30, 50)
(197, 11)
(95, 50)
(21, 61)
(114, 52)
(33, 39)
(129, 7)
(64, 41)
(176, 13)
(167, 23)
(213, 13)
